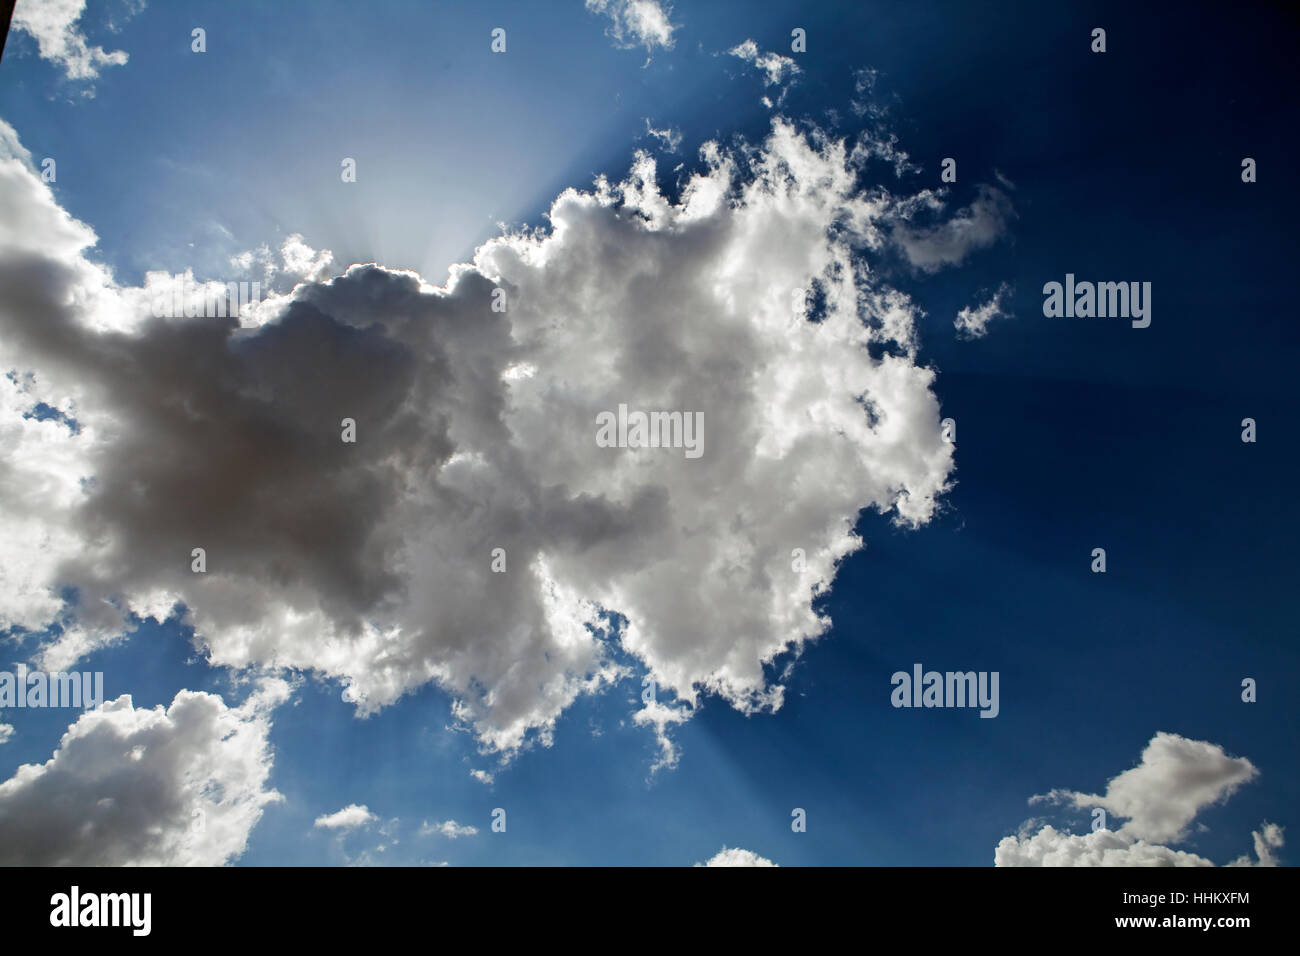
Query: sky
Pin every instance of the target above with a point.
(478, 633)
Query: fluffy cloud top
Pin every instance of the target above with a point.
(735, 856)
(296, 261)
(176, 786)
(637, 22)
(371, 563)
(1160, 797)
(1051, 847)
(53, 24)
(349, 818)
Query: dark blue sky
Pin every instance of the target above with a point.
(1072, 434)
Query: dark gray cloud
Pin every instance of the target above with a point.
(372, 563)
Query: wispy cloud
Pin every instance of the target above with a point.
(979, 225)
(774, 67)
(972, 322)
(633, 23)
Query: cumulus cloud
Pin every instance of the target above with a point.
(177, 786)
(482, 776)
(637, 22)
(476, 404)
(349, 818)
(53, 24)
(1159, 799)
(735, 856)
(6, 731)
(973, 321)
(1051, 847)
(978, 226)
(448, 828)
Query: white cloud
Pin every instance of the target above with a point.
(53, 24)
(978, 226)
(973, 321)
(370, 564)
(868, 102)
(1163, 794)
(1159, 799)
(253, 259)
(482, 776)
(1267, 839)
(661, 717)
(177, 786)
(448, 828)
(671, 138)
(6, 732)
(297, 262)
(637, 22)
(1051, 847)
(735, 856)
(349, 818)
(304, 262)
(774, 67)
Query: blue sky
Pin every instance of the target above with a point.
(1072, 434)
